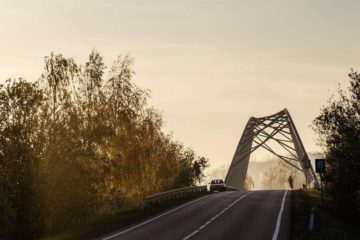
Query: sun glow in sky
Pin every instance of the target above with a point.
(210, 64)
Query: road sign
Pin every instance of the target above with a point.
(320, 168)
(320, 165)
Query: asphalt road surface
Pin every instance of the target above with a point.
(227, 215)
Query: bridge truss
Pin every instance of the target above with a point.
(280, 129)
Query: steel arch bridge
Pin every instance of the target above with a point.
(280, 128)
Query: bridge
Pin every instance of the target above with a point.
(247, 215)
(280, 129)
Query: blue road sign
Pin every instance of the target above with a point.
(320, 165)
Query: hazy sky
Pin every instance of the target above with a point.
(210, 64)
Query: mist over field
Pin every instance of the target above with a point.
(259, 171)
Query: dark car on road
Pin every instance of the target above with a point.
(217, 185)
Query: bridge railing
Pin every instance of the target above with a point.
(230, 188)
(176, 193)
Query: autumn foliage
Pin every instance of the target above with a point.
(80, 143)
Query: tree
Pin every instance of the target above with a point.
(19, 104)
(203, 163)
(186, 175)
(59, 71)
(93, 76)
(197, 170)
(339, 128)
(74, 143)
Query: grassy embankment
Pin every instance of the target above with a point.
(108, 224)
(328, 224)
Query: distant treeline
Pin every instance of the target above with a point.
(74, 145)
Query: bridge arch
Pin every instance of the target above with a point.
(280, 128)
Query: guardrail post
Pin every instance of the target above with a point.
(176, 193)
(312, 220)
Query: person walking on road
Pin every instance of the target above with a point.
(290, 180)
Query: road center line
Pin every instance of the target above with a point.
(152, 219)
(216, 216)
(278, 222)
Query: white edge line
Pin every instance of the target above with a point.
(278, 222)
(152, 219)
(216, 216)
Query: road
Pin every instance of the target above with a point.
(227, 215)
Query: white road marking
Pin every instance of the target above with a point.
(216, 216)
(278, 222)
(152, 219)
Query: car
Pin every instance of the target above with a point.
(217, 185)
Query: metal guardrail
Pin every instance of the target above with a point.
(176, 193)
(230, 188)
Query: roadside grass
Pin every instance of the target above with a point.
(327, 225)
(113, 222)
